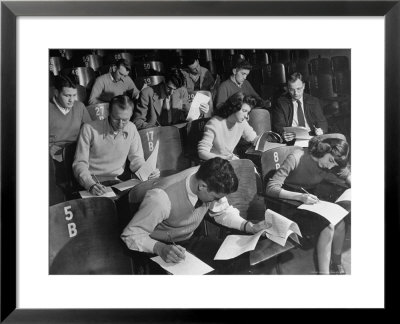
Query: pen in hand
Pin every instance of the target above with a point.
(182, 256)
(309, 193)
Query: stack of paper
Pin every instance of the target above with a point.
(263, 144)
(332, 212)
(281, 228)
(194, 111)
(122, 186)
(109, 193)
(190, 266)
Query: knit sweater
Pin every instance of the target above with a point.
(218, 139)
(102, 153)
(169, 210)
(64, 129)
(228, 88)
(300, 170)
(206, 80)
(105, 88)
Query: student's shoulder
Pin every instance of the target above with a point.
(215, 121)
(79, 106)
(147, 91)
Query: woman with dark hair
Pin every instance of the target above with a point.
(326, 156)
(223, 132)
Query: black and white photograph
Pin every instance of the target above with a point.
(196, 156)
(200, 161)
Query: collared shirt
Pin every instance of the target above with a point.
(234, 81)
(103, 153)
(295, 121)
(65, 111)
(113, 80)
(156, 208)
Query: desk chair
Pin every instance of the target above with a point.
(153, 68)
(98, 111)
(251, 206)
(93, 61)
(85, 238)
(260, 120)
(72, 187)
(321, 66)
(194, 134)
(340, 63)
(192, 94)
(151, 80)
(321, 86)
(56, 64)
(85, 76)
(170, 154)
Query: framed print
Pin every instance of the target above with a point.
(373, 35)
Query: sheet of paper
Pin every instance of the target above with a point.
(332, 212)
(281, 228)
(149, 166)
(235, 245)
(301, 142)
(194, 111)
(109, 193)
(122, 186)
(190, 266)
(301, 132)
(345, 196)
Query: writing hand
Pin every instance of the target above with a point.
(204, 108)
(154, 174)
(289, 136)
(98, 189)
(170, 253)
(309, 199)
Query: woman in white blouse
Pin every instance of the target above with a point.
(223, 132)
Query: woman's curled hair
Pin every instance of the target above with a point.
(335, 144)
(234, 103)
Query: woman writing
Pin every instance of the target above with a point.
(223, 132)
(326, 155)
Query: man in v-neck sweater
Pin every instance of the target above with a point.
(173, 209)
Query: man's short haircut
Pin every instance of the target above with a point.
(234, 103)
(242, 64)
(123, 102)
(124, 63)
(176, 77)
(294, 77)
(219, 176)
(62, 81)
(189, 59)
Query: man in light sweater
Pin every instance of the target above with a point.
(115, 83)
(66, 116)
(172, 210)
(104, 145)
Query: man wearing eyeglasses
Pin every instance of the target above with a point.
(166, 103)
(115, 83)
(298, 109)
(105, 145)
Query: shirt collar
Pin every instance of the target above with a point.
(62, 109)
(113, 80)
(234, 81)
(109, 130)
(192, 197)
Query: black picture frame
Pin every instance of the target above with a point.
(9, 13)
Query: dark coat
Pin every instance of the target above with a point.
(282, 114)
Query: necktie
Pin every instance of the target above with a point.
(300, 114)
(198, 204)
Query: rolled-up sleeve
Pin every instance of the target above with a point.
(225, 214)
(155, 208)
(205, 145)
(248, 132)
